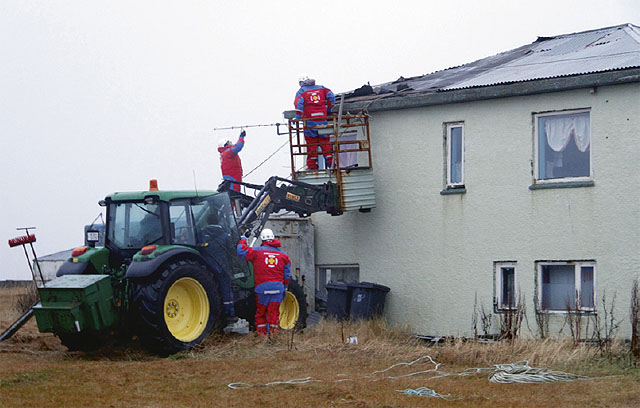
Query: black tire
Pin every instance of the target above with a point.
(156, 327)
(298, 292)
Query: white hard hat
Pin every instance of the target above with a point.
(303, 78)
(224, 142)
(266, 235)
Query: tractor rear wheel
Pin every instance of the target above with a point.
(177, 307)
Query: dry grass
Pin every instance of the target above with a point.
(343, 374)
(12, 298)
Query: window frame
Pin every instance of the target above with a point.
(498, 279)
(577, 283)
(331, 266)
(536, 148)
(448, 127)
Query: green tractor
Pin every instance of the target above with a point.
(168, 262)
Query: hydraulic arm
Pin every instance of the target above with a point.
(302, 198)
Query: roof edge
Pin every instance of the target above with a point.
(619, 26)
(532, 87)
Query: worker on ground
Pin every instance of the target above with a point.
(272, 268)
(230, 161)
(313, 103)
(217, 241)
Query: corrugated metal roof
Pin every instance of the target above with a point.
(600, 50)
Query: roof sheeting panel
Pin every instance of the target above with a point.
(592, 51)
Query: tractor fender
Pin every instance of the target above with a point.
(72, 268)
(93, 260)
(142, 267)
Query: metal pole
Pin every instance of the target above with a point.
(33, 275)
(35, 258)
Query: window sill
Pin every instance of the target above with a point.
(506, 310)
(453, 190)
(562, 184)
(565, 312)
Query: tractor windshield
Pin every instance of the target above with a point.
(134, 224)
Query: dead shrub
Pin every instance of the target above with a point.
(605, 326)
(635, 320)
(511, 319)
(26, 300)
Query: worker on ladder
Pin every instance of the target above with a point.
(272, 270)
(314, 101)
(230, 162)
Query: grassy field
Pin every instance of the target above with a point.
(36, 371)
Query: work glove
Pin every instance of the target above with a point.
(243, 133)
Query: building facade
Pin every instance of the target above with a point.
(514, 191)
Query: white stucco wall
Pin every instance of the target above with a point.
(436, 251)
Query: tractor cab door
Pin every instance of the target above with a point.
(217, 235)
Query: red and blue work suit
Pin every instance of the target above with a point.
(230, 162)
(315, 101)
(272, 269)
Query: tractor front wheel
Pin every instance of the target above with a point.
(177, 307)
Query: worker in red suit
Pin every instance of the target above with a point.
(314, 101)
(272, 269)
(230, 161)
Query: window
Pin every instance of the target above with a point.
(506, 290)
(135, 224)
(334, 274)
(181, 223)
(563, 146)
(454, 140)
(564, 286)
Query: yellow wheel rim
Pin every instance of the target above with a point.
(186, 309)
(289, 311)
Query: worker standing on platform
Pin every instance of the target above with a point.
(314, 101)
(272, 269)
(230, 162)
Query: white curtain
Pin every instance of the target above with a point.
(560, 129)
(348, 159)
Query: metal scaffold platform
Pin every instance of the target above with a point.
(352, 169)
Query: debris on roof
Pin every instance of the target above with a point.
(593, 51)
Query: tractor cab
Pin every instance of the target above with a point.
(140, 224)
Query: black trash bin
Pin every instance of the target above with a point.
(367, 300)
(338, 300)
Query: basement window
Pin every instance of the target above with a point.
(334, 274)
(566, 286)
(506, 295)
(563, 147)
(454, 150)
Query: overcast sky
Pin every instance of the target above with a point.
(101, 96)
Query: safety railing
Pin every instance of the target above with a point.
(349, 140)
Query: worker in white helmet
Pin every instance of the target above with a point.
(230, 162)
(272, 270)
